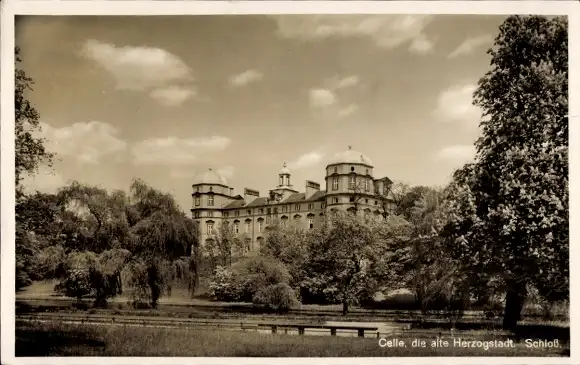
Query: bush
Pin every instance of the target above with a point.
(76, 284)
(245, 278)
(277, 297)
(223, 287)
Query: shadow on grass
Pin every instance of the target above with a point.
(36, 340)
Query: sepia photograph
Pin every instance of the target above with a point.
(290, 185)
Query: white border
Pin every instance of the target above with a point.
(46, 7)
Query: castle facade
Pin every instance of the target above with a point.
(350, 186)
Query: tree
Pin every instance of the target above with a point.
(341, 255)
(225, 247)
(164, 244)
(515, 215)
(29, 150)
(29, 154)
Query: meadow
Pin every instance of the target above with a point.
(57, 339)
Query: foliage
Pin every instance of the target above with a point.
(245, 278)
(29, 150)
(225, 247)
(76, 284)
(510, 215)
(29, 153)
(223, 285)
(276, 297)
(342, 254)
(161, 238)
(287, 245)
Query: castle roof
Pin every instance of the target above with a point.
(210, 177)
(350, 156)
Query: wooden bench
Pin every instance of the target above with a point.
(302, 327)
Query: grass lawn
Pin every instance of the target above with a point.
(57, 339)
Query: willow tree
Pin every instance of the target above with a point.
(164, 244)
(513, 219)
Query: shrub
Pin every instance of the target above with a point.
(76, 284)
(223, 287)
(277, 297)
(245, 278)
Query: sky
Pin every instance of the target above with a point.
(166, 98)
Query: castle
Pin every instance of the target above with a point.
(350, 186)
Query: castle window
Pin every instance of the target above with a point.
(376, 202)
(226, 214)
(210, 189)
(297, 207)
(284, 209)
(367, 171)
(351, 199)
(366, 201)
(281, 180)
(249, 212)
(335, 200)
(196, 214)
(210, 214)
(385, 189)
(197, 201)
(210, 227)
(269, 210)
(236, 227)
(352, 168)
(321, 205)
(197, 189)
(351, 183)
(310, 222)
(335, 169)
(275, 210)
(210, 200)
(335, 183)
(261, 211)
(309, 206)
(260, 225)
(248, 227)
(366, 185)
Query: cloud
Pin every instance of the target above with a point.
(246, 77)
(388, 31)
(470, 44)
(421, 45)
(348, 110)
(226, 171)
(44, 180)
(321, 98)
(172, 95)
(162, 74)
(456, 105)
(137, 68)
(176, 151)
(457, 153)
(346, 82)
(87, 142)
(306, 160)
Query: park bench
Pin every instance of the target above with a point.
(333, 328)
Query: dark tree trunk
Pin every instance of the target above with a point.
(153, 276)
(514, 303)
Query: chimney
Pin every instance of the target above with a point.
(231, 191)
(250, 195)
(311, 188)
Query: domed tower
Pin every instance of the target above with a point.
(284, 188)
(350, 182)
(210, 193)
